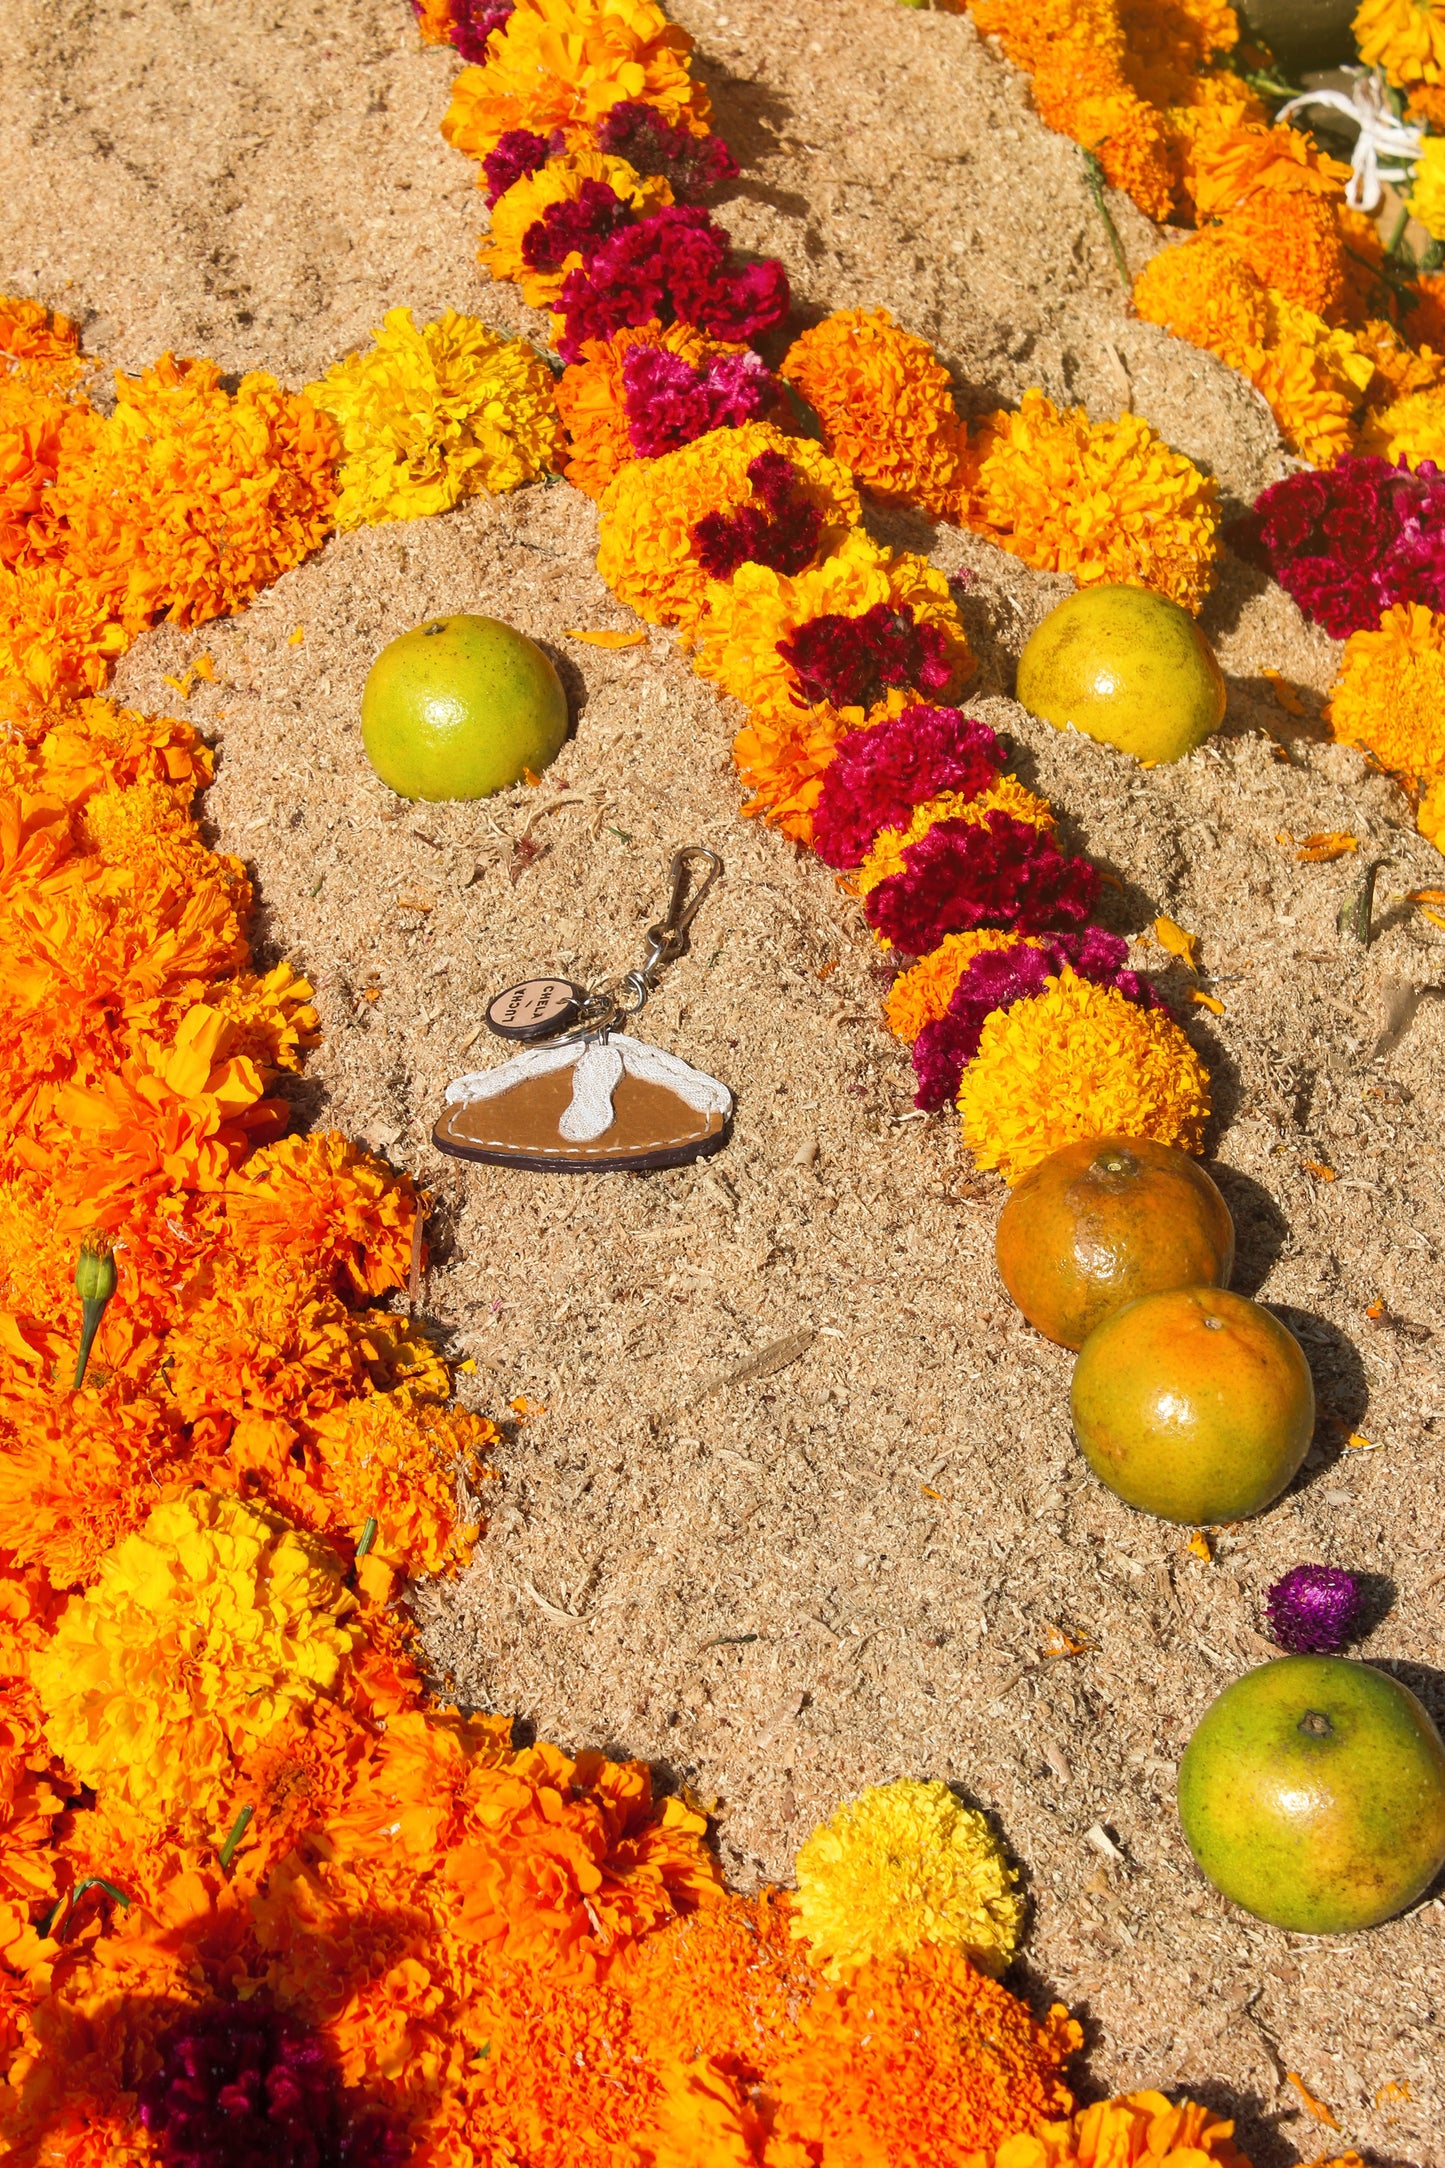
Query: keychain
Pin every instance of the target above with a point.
(581, 1098)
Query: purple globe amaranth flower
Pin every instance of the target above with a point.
(241, 2086)
(692, 165)
(851, 661)
(669, 403)
(674, 265)
(998, 978)
(878, 776)
(1314, 1610)
(781, 531)
(960, 876)
(1349, 543)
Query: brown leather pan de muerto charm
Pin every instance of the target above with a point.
(593, 1102)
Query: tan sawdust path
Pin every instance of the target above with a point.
(852, 1568)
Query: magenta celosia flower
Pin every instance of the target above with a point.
(241, 2086)
(960, 876)
(850, 661)
(879, 775)
(1349, 543)
(669, 403)
(781, 531)
(1314, 1610)
(675, 264)
(517, 153)
(473, 22)
(578, 226)
(996, 980)
(692, 165)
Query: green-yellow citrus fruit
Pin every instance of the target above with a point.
(1103, 1221)
(1193, 1404)
(460, 707)
(1126, 666)
(1313, 1794)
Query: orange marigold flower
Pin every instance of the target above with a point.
(921, 2058)
(560, 180)
(80, 1470)
(38, 343)
(1130, 2131)
(921, 995)
(329, 1207)
(400, 1466)
(566, 63)
(1292, 242)
(645, 550)
(1107, 501)
(1277, 161)
(1399, 369)
(590, 397)
(1204, 292)
(885, 404)
(1389, 697)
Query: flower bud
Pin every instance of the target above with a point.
(95, 1274)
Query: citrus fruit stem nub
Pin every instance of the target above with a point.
(1316, 1725)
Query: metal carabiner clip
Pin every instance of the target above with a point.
(668, 938)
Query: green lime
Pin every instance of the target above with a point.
(460, 708)
(1313, 1794)
(1125, 666)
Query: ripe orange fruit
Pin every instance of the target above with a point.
(1104, 1221)
(1193, 1404)
(1126, 666)
(460, 707)
(1313, 1794)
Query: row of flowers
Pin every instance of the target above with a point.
(1286, 281)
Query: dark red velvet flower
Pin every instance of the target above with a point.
(879, 775)
(517, 153)
(780, 531)
(692, 165)
(996, 980)
(850, 661)
(960, 876)
(669, 403)
(675, 264)
(473, 22)
(580, 225)
(241, 2086)
(1349, 543)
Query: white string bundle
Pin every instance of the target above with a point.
(1386, 148)
(600, 1064)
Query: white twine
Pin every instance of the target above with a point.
(600, 1064)
(1386, 148)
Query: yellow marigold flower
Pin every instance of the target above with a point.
(428, 417)
(1314, 379)
(1430, 813)
(560, 180)
(205, 1629)
(901, 1866)
(645, 552)
(921, 995)
(1389, 697)
(1007, 795)
(885, 404)
(1079, 1061)
(1412, 427)
(1427, 194)
(1133, 2128)
(566, 63)
(1104, 500)
(1404, 37)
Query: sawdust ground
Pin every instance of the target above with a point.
(853, 1567)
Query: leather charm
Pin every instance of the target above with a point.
(537, 1009)
(586, 1106)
